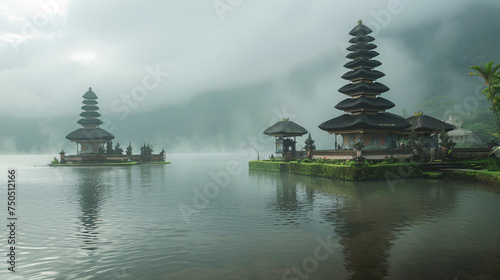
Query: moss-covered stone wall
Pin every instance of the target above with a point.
(345, 172)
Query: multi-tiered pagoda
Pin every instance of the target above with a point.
(365, 119)
(89, 138)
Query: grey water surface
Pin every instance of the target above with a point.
(206, 216)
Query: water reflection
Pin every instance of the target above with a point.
(145, 175)
(374, 215)
(92, 186)
(286, 200)
(367, 217)
(150, 173)
(286, 193)
(495, 263)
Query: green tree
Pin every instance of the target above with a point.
(109, 147)
(483, 126)
(489, 73)
(483, 131)
(437, 106)
(483, 116)
(309, 144)
(129, 149)
(118, 149)
(495, 87)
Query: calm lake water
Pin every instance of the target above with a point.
(209, 217)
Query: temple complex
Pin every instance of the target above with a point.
(90, 140)
(365, 119)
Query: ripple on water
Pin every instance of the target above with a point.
(128, 223)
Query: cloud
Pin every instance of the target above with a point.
(294, 50)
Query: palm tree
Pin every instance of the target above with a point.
(489, 73)
(495, 87)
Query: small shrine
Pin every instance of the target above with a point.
(285, 132)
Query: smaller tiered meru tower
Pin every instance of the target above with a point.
(89, 138)
(365, 119)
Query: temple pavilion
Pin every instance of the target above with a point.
(365, 119)
(90, 138)
(427, 128)
(426, 125)
(285, 132)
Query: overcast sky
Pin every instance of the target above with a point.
(143, 55)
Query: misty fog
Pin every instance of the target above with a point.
(216, 80)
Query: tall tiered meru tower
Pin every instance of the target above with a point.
(89, 138)
(365, 119)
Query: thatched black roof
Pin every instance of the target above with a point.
(364, 73)
(362, 54)
(89, 102)
(428, 124)
(89, 122)
(90, 134)
(361, 38)
(362, 62)
(364, 102)
(361, 46)
(285, 128)
(368, 88)
(90, 94)
(379, 121)
(90, 108)
(90, 114)
(360, 29)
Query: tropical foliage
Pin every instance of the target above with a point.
(483, 132)
(491, 77)
(482, 125)
(435, 107)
